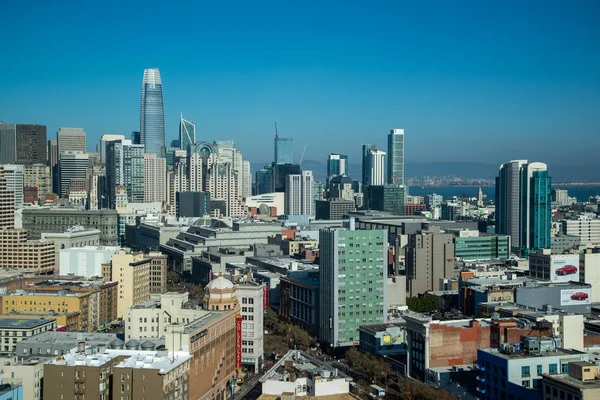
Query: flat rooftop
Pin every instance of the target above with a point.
(344, 396)
(68, 338)
(303, 365)
(556, 353)
(25, 323)
(569, 380)
(382, 327)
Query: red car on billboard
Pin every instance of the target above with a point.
(579, 296)
(566, 270)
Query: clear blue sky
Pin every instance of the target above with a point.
(482, 81)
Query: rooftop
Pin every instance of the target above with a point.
(67, 338)
(302, 365)
(374, 328)
(574, 382)
(15, 323)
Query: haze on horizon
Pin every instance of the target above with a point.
(483, 82)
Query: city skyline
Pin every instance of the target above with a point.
(336, 85)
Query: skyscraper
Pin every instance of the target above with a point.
(15, 181)
(523, 205)
(7, 204)
(376, 167)
(23, 144)
(299, 194)
(104, 139)
(152, 114)
(353, 290)
(337, 164)
(395, 154)
(154, 179)
(187, 133)
(125, 167)
(283, 149)
(72, 166)
(70, 139)
(366, 171)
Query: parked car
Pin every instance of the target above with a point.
(579, 296)
(566, 270)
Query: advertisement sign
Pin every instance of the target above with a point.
(576, 297)
(238, 342)
(564, 268)
(266, 296)
(392, 336)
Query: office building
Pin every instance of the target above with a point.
(53, 164)
(155, 189)
(85, 261)
(245, 180)
(7, 204)
(15, 182)
(116, 373)
(187, 134)
(279, 173)
(152, 113)
(283, 150)
(193, 204)
(470, 245)
(35, 256)
(14, 330)
(337, 164)
(366, 170)
(71, 139)
(132, 271)
(39, 220)
(429, 259)
(77, 236)
(104, 139)
(395, 160)
(516, 370)
(353, 289)
(383, 339)
(158, 272)
(388, 198)
(300, 299)
(72, 169)
(580, 382)
(339, 187)
(523, 204)
(38, 176)
(250, 295)
(586, 227)
(22, 144)
(125, 165)
(375, 168)
(333, 209)
(299, 194)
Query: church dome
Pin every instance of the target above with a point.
(219, 283)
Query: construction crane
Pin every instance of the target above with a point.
(302, 157)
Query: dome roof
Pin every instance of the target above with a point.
(219, 283)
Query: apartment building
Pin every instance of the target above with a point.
(14, 330)
(36, 256)
(132, 271)
(158, 272)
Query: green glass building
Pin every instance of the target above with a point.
(353, 278)
(387, 198)
(482, 248)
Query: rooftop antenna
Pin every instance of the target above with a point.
(276, 134)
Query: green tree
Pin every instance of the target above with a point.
(300, 336)
(270, 320)
(422, 304)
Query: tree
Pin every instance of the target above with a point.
(422, 304)
(300, 336)
(270, 320)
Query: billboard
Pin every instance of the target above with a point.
(392, 336)
(238, 342)
(576, 297)
(564, 268)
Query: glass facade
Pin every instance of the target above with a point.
(366, 167)
(386, 198)
(283, 150)
(482, 248)
(536, 213)
(395, 154)
(152, 115)
(337, 164)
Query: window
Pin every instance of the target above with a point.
(244, 300)
(525, 371)
(525, 384)
(553, 368)
(539, 370)
(565, 368)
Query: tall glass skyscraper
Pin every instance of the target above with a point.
(187, 133)
(366, 167)
(395, 154)
(152, 114)
(337, 164)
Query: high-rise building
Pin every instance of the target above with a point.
(536, 207)
(395, 154)
(246, 180)
(22, 144)
(72, 166)
(7, 204)
(152, 113)
(53, 164)
(71, 139)
(39, 177)
(15, 181)
(283, 150)
(299, 194)
(366, 170)
(187, 134)
(523, 204)
(125, 167)
(353, 289)
(337, 164)
(104, 140)
(376, 167)
(389, 198)
(136, 137)
(155, 170)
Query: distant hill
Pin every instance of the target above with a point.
(463, 170)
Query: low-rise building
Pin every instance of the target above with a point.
(581, 382)
(383, 339)
(76, 236)
(299, 374)
(14, 330)
(85, 261)
(300, 299)
(132, 271)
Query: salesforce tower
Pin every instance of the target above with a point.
(152, 114)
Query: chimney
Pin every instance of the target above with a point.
(474, 323)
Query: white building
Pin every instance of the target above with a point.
(77, 236)
(85, 261)
(251, 298)
(15, 181)
(299, 194)
(303, 375)
(586, 227)
(376, 167)
(154, 179)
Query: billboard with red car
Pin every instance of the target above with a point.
(576, 297)
(564, 268)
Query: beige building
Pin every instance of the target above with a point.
(158, 272)
(582, 383)
(7, 204)
(70, 139)
(37, 256)
(132, 271)
(154, 179)
(38, 176)
(30, 371)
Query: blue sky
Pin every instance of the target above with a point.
(481, 81)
